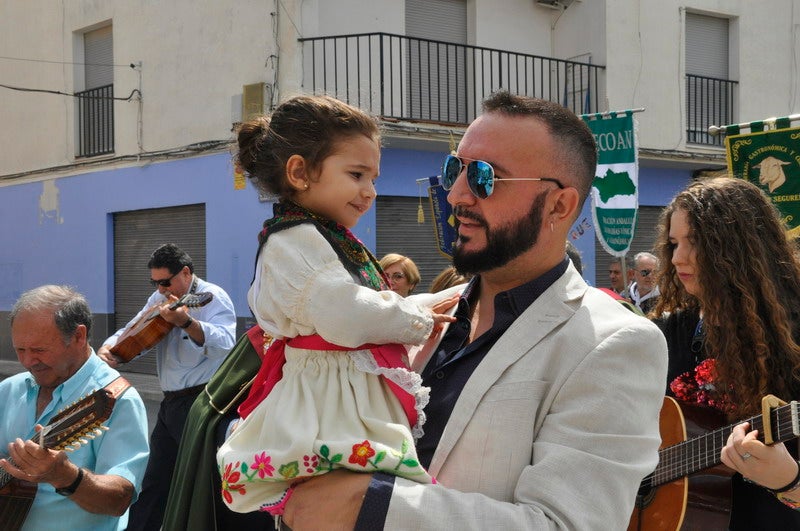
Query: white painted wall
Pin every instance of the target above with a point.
(195, 58)
(197, 55)
(645, 65)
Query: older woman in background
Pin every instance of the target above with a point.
(402, 273)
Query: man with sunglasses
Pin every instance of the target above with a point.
(545, 393)
(186, 358)
(644, 292)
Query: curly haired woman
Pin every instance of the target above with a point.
(730, 309)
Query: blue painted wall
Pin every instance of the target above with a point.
(75, 245)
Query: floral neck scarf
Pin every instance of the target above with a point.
(355, 257)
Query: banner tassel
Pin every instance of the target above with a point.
(420, 210)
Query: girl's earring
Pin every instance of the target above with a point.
(305, 186)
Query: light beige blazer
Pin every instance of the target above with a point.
(555, 428)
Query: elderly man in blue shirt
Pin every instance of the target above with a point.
(92, 488)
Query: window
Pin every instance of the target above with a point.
(710, 94)
(95, 104)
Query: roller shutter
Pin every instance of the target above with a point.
(399, 232)
(435, 88)
(137, 234)
(99, 53)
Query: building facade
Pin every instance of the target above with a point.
(117, 116)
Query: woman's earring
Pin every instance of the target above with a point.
(305, 186)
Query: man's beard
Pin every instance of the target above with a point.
(502, 244)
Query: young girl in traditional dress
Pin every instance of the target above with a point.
(334, 389)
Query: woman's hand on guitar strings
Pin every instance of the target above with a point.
(770, 466)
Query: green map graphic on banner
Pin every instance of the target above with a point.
(771, 161)
(615, 190)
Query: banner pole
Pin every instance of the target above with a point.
(715, 130)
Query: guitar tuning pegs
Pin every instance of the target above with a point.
(98, 432)
(104, 428)
(69, 449)
(76, 444)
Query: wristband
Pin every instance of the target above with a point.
(791, 486)
(188, 323)
(70, 489)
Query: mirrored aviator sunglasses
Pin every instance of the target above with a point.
(480, 176)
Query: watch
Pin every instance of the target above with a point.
(70, 489)
(188, 323)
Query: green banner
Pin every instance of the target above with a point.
(771, 160)
(615, 190)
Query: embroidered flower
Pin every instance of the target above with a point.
(262, 464)
(229, 482)
(361, 452)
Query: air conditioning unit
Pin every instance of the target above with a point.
(555, 4)
(552, 4)
(252, 100)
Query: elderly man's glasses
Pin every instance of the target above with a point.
(645, 272)
(480, 176)
(164, 282)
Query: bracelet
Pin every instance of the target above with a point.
(786, 500)
(791, 486)
(188, 323)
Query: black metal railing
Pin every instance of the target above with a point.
(405, 78)
(709, 101)
(96, 121)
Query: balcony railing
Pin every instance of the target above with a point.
(404, 78)
(709, 101)
(96, 121)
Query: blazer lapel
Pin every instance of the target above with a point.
(535, 323)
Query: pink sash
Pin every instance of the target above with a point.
(271, 371)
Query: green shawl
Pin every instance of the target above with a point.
(194, 496)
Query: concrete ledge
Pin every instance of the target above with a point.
(146, 384)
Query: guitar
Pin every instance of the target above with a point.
(68, 430)
(152, 328)
(690, 482)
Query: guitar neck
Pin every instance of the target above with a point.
(703, 452)
(5, 477)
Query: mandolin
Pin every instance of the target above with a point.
(690, 483)
(152, 328)
(68, 430)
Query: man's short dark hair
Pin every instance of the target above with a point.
(171, 257)
(577, 148)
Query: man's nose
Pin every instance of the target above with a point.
(460, 193)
